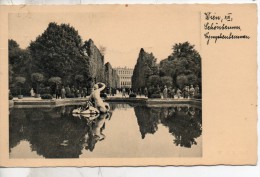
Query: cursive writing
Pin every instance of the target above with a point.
(221, 27)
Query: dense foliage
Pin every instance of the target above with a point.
(144, 68)
(19, 82)
(19, 66)
(37, 78)
(183, 65)
(57, 52)
(57, 57)
(181, 68)
(184, 123)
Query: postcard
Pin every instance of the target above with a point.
(128, 85)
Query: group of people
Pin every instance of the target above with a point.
(128, 91)
(68, 92)
(186, 92)
(189, 91)
(63, 92)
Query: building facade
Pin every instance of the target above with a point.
(125, 75)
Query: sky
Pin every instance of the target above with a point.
(122, 30)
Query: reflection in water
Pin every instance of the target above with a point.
(56, 133)
(95, 131)
(147, 119)
(184, 123)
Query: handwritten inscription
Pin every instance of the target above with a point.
(219, 27)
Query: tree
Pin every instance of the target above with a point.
(95, 63)
(167, 68)
(153, 81)
(144, 68)
(166, 80)
(182, 80)
(19, 62)
(79, 79)
(13, 51)
(185, 50)
(19, 82)
(10, 74)
(57, 52)
(183, 65)
(153, 85)
(188, 56)
(54, 80)
(37, 78)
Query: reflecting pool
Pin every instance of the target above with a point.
(129, 130)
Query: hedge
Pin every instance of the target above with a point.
(132, 95)
(46, 96)
(155, 96)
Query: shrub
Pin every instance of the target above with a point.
(155, 96)
(198, 96)
(10, 97)
(37, 78)
(45, 90)
(54, 81)
(132, 95)
(46, 96)
(70, 95)
(19, 82)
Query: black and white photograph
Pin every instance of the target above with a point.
(128, 85)
(108, 84)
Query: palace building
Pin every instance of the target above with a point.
(125, 76)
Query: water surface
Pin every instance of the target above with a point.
(128, 131)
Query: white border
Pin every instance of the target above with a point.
(73, 2)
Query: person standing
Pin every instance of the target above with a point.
(197, 91)
(172, 92)
(77, 93)
(145, 92)
(67, 90)
(186, 92)
(32, 92)
(123, 92)
(57, 91)
(178, 92)
(165, 92)
(192, 91)
(63, 92)
(73, 92)
(169, 92)
(140, 92)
